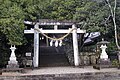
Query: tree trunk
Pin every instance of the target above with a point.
(114, 22)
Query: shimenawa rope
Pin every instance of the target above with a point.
(61, 38)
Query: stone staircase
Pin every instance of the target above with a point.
(76, 76)
(52, 56)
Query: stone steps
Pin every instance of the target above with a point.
(51, 56)
(50, 50)
(76, 76)
(20, 70)
(53, 60)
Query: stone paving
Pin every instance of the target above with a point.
(64, 73)
(64, 70)
(61, 70)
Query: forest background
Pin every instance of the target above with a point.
(95, 16)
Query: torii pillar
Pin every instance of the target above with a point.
(75, 46)
(36, 47)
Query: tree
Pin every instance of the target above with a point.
(92, 13)
(11, 21)
(12, 16)
(113, 14)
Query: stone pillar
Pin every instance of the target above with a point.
(36, 47)
(13, 63)
(75, 46)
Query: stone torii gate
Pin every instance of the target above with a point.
(55, 30)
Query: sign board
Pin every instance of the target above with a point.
(28, 54)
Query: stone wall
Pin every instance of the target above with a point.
(77, 76)
(88, 58)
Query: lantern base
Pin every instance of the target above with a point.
(12, 66)
(103, 63)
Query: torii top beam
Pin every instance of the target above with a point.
(43, 22)
(53, 22)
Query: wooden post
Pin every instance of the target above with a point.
(36, 47)
(75, 46)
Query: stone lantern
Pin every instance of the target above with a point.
(103, 61)
(103, 46)
(12, 63)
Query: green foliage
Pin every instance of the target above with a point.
(93, 13)
(4, 50)
(12, 15)
(11, 22)
(112, 46)
(115, 63)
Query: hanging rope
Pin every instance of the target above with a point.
(61, 38)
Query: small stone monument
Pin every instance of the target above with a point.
(104, 61)
(12, 63)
